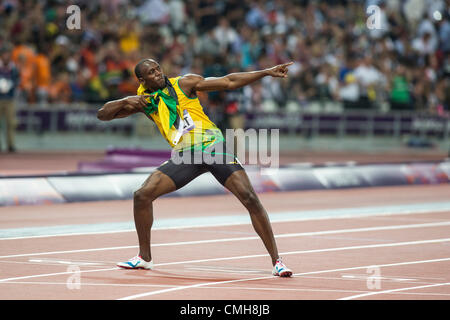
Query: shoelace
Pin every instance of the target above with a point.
(279, 265)
(135, 259)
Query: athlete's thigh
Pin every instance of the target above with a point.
(222, 172)
(239, 184)
(182, 173)
(156, 185)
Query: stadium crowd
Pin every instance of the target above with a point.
(403, 64)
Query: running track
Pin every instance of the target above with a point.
(375, 243)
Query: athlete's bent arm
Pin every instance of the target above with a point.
(192, 83)
(122, 108)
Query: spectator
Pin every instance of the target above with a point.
(42, 75)
(444, 35)
(9, 80)
(256, 17)
(400, 92)
(178, 17)
(60, 90)
(224, 34)
(129, 37)
(327, 83)
(274, 95)
(78, 87)
(348, 91)
(426, 44)
(23, 57)
(154, 12)
(368, 78)
(252, 98)
(209, 45)
(206, 14)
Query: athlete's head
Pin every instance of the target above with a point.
(150, 75)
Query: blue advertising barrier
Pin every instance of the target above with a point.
(79, 187)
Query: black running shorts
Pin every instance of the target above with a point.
(185, 166)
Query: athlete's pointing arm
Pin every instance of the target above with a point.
(191, 83)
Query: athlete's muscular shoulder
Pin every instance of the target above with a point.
(189, 82)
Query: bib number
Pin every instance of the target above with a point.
(188, 123)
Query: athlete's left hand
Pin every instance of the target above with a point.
(279, 71)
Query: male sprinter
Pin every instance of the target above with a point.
(175, 108)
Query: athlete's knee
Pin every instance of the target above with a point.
(144, 195)
(149, 191)
(249, 198)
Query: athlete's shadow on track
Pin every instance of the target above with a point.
(158, 274)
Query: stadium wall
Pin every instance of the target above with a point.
(79, 187)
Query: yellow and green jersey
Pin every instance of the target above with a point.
(199, 131)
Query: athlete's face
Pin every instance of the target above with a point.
(152, 76)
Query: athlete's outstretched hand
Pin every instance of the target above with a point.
(279, 71)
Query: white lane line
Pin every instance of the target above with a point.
(205, 284)
(224, 220)
(55, 274)
(66, 262)
(379, 278)
(101, 284)
(132, 285)
(239, 280)
(198, 285)
(249, 256)
(395, 290)
(287, 235)
(66, 251)
(395, 244)
(316, 290)
(218, 287)
(378, 265)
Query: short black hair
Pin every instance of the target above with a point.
(138, 68)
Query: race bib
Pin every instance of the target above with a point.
(188, 124)
(185, 126)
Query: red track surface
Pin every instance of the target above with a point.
(411, 251)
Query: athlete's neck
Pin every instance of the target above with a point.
(151, 90)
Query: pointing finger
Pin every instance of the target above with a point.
(287, 64)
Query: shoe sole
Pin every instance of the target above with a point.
(285, 274)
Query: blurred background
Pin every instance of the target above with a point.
(351, 88)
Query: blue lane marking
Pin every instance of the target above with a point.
(224, 220)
